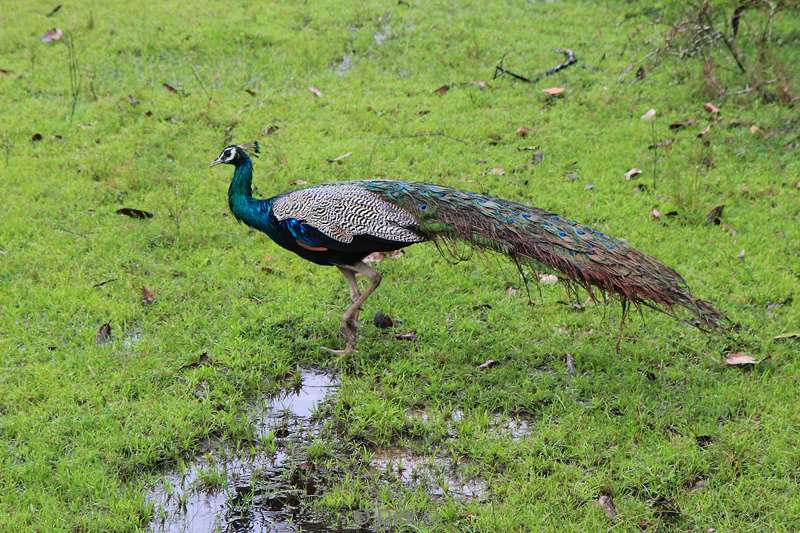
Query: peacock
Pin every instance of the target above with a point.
(340, 224)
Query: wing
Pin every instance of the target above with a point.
(307, 236)
(342, 212)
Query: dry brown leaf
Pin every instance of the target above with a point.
(203, 360)
(685, 123)
(714, 216)
(480, 84)
(522, 131)
(52, 35)
(711, 108)
(441, 90)
(316, 92)
(740, 358)
(148, 297)
(553, 91)
(632, 173)
(134, 213)
(663, 143)
(339, 159)
(270, 130)
(754, 129)
(607, 505)
(103, 334)
(730, 229)
(251, 92)
(785, 95)
(497, 171)
(489, 363)
(511, 291)
(169, 88)
(649, 115)
(704, 132)
(382, 321)
(655, 214)
(696, 484)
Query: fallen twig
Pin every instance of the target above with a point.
(728, 43)
(500, 69)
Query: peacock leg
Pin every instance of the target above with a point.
(350, 277)
(350, 316)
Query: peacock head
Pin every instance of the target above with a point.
(236, 154)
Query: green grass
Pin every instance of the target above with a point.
(84, 427)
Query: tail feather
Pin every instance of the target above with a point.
(578, 253)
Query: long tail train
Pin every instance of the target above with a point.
(578, 253)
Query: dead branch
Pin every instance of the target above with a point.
(728, 43)
(500, 69)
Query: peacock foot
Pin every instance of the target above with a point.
(346, 351)
(350, 344)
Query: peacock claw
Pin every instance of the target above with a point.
(346, 351)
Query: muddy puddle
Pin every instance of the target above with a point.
(513, 427)
(437, 475)
(255, 489)
(271, 483)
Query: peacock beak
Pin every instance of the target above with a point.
(215, 163)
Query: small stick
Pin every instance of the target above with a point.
(499, 70)
(730, 46)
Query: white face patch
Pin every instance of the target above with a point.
(228, 154)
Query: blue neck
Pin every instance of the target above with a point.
(240, 192)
